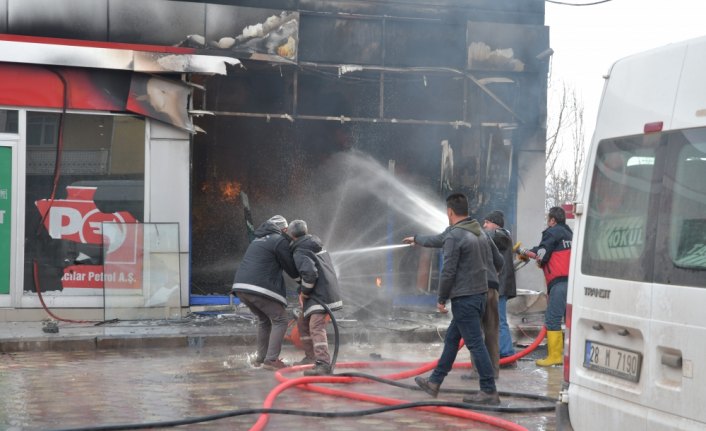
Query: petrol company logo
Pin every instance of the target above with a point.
(78, 219)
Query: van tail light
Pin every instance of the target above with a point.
(567, 343)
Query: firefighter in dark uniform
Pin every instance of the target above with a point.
(319, 285)
(259, 284)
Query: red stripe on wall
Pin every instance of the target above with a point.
(89, 89)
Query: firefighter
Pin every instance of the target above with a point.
(259, 284)
(319, 284)
(552, 255)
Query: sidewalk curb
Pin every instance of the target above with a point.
(28, 338)
(140, 341)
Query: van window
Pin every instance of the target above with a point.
(618, 230)
(683, 233)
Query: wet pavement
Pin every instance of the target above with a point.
(44, 390)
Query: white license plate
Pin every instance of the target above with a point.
(612, 360)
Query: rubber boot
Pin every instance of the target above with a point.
(555, 350)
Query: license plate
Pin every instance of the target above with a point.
(612, 360)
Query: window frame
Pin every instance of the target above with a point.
(639, 269)
(666, 270)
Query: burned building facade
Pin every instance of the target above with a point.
(353, 115)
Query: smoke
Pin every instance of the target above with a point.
(362, 211)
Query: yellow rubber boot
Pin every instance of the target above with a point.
(555, 350)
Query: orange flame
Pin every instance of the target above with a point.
(229, 190)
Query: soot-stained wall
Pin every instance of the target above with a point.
(465, 72)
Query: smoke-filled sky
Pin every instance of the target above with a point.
(587, 40)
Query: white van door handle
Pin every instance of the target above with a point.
(623, 332)
(597, 327)
(671, 360)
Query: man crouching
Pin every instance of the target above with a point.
(319, 284)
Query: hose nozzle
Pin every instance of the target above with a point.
(516, 246)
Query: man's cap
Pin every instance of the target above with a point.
(496, 217)
(278, 221)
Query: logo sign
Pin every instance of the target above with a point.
(77, 219)
(5, 217)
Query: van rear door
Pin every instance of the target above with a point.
(612, 289)
(678, 327)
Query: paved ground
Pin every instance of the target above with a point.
(91, 374)
(60, 389)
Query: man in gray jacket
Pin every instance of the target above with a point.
(463, 280)
(259, 284)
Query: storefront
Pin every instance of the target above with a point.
(435, 96)
(94, 177)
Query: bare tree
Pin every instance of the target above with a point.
(565, 149)
(554, 142)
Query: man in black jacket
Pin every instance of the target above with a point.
(463, 280)
(494, 225)
(259, 284)
(319, 284)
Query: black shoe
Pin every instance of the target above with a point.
(428, 387)
(480, 397)
(320, 369)
(306, 361)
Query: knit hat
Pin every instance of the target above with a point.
(496, 217)
(278, 221)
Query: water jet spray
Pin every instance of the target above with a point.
(369, 249)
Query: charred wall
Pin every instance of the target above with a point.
(401, 76)
(415, 83)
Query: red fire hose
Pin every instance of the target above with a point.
(307, 383)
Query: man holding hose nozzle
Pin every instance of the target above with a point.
(259, 285)
(463, 281)
(552, 255)
(319, 284)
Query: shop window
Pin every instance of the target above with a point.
(8, 121)
(100, 179)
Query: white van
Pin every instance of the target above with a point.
(635, 349)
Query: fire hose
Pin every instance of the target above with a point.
(456, 409)
(451, 409)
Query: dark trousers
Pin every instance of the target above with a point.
(556, 306)
(271, 325)
(466, 323)
(491, 329)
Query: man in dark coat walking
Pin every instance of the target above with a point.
(463, 281)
